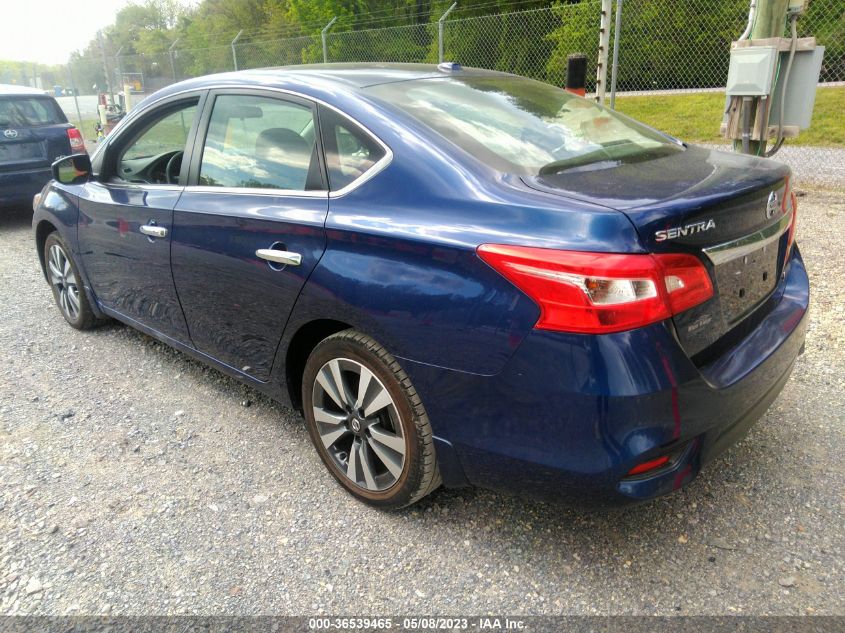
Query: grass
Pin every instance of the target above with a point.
(696, 117)
(86, 126)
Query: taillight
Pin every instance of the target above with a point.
(601, 292)
(77, 143)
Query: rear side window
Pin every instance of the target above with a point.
(29, 112)
(350, 152)
(521, 126)
(260, 143)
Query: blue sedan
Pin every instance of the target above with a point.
(458, 276)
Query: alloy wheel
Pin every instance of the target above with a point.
(358, 424)
(64, 282)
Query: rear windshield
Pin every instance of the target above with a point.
(29, 112)
(526, 127)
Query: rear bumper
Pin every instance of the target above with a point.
(570, 415)
(18, 187)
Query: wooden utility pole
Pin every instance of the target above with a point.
(769, 22)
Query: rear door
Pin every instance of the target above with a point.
(249, 228)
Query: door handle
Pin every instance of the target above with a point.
(153, 230)
(286, 258)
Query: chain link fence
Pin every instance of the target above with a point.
(670, 45)
(285, 52)
(415, 43)
(665, 46)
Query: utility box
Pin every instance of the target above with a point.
(752, 71)
(801, 91)
(797, 6)
(755, 82)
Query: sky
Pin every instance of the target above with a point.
(48, 31)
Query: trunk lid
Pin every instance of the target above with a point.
(727, 209)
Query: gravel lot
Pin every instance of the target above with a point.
(135, 480)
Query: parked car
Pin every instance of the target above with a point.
(34, 132)
(457, 275)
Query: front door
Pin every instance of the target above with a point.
(126, 219)
(248, 230)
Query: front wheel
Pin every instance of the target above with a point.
(66, 283)
(367, 422)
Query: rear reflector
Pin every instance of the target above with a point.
(793, 225)
(601, 292)
(77, 144)
(652, 464)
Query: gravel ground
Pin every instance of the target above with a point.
(135, 480)
(813, 167)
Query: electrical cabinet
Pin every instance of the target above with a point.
(751, 71)
(801, 91)
(797, 6)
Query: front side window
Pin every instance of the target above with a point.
(154, 156)
(523, 126)
(168, 134)
(260, 142)
(350, 152)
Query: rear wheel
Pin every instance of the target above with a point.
(66, 284)
(367, 422)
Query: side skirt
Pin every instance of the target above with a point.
(267, 388)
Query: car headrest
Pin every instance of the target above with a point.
(280, 139)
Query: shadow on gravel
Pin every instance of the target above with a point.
(15, 218)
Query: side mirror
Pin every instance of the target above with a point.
(72, 170)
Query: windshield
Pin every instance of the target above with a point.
(29, 112)
(526, 127)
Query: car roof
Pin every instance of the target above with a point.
(348, 77)
(359, 75)
(15, 90)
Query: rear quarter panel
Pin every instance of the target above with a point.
(401, 261)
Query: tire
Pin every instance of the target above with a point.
(66, 284)
(378, 445)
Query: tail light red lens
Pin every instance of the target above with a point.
(601, 292)
(652, 464)
(77, 144)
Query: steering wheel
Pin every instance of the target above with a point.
(171, 164)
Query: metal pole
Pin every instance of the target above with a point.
(105, 64)
(324, 37)
(119, 66)
(604, 44)
(170, 52)
(75, 99)
(617, 33)
(234, 52)
(441, 29)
